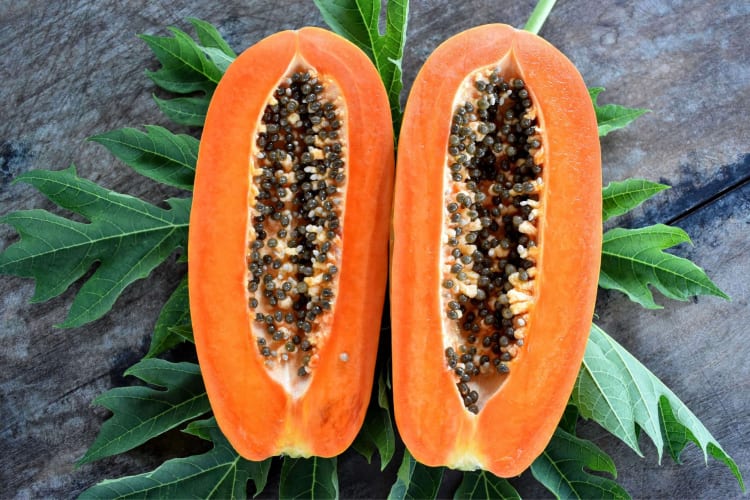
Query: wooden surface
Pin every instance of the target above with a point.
(75, 68)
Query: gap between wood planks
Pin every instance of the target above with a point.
(740, 183)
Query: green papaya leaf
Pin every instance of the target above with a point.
(620, 394)
(563, 468)
(220, 59)
(185, 67)
(484, 485)
(377, 431)
(209, 36)
(183, 331)
(174, 315)
(217, 474)
(415, 480)
(619, 198)
(202, 428)
(632, 259)
(569, 420)
(612, 116)
(190, 111)
(141, 413)
(157, 153)
(357, 20)
(127, 236)
(189, 68)
(309, 478)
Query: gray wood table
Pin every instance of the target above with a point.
(75, 68)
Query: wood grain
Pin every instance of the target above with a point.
(75, 68)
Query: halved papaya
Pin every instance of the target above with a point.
(497, 238)
(288, 243)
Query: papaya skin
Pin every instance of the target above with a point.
(259, 416)
(518, 420)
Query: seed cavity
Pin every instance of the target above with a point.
(494, 185)
(298, 170)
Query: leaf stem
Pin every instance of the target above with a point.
(539, 15)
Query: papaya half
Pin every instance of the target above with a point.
(288, 243)
(496, 259)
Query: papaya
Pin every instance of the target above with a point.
(288, 243)
(496, 247)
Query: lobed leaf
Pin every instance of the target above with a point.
(309, 478)
(183, 331)
(190, 111)
(189, 67)
(612, 116)
(569, 420)
(484, 485)
(678, 436)
(633, 259)
(564, 465)
(377, 431)
(174, 316)
(219, 473)
(126, 236)
(185, 67)
(358, 20)
(220, 59)
(415, 480)
(201, 428)
(209, 36)
(355, 20)
(620, 394)
(157, 153)
(621, 197)
(142, 413)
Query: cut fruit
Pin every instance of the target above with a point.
(288, 243)
(497, 240)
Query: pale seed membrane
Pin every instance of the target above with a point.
(298, 169)
(494, 181)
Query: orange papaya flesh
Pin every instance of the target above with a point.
(288, 243)
(495, 262)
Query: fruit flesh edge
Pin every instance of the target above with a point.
(444, 433)
(218, 234)
(571, 232)
(346, 385)
(256, 414)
